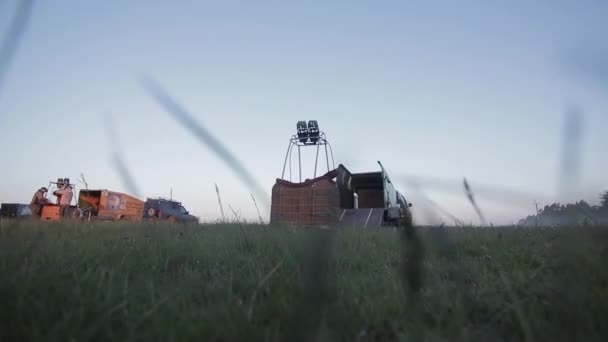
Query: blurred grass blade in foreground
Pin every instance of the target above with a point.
(317, 289)
(11, 40)
(118, 161)
(494, 193)
(570, 158)
(471, 198)
(203, 135)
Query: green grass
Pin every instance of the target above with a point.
(103, 281)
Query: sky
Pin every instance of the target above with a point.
(433, 89)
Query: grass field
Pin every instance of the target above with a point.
(148, 282)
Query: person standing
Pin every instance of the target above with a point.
(37, 201)
(64, 197)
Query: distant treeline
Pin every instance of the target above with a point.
(579, 213)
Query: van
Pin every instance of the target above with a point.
(109, 205)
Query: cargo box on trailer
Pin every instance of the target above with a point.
(315, 201)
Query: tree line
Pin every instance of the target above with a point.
(579, 213)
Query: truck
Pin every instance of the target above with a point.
(15, 210)
(167, 209)
(342, 198)
(105, 204)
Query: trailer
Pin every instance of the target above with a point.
(54, 211)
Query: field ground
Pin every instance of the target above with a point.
(148, 282)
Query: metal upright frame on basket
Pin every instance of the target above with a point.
(308, 141)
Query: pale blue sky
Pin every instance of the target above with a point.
(434, 89)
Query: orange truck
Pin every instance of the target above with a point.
(109, 205)
(97, 205)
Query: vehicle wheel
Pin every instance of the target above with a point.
(86, 214)
(75, 214)
(151, 212)
(405, 217)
